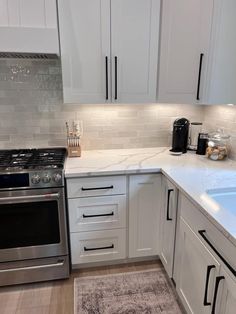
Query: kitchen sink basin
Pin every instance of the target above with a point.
(224, 197)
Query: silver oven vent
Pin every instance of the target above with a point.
(20, 55)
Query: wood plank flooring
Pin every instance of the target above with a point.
(56, 297)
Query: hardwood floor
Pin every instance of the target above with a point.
(56, 297)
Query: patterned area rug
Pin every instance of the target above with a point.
(145, 292)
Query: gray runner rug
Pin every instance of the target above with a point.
(144, 292)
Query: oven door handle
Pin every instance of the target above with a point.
(20, 199)
(59, 263)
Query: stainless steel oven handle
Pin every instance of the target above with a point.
(29, 198)
(33, 267)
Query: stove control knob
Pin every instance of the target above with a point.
(35, 179)
(57, 178)
(46, 178)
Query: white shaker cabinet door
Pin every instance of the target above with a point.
(144, 215)
(225, 293)
(168, 224)
(197, 272)
(85, 50)
(135, 36)
(185, 40)
(222, 79)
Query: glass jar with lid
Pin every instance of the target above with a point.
(218, 146)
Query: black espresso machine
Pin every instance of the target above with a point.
(180, 136)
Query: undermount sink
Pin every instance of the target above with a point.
(224, 197)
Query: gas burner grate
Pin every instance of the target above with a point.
(32, 159)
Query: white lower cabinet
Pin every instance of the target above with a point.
(197, 272)
(97, 219)
(225, 295)
(168, 224)
(98, 246)
(205, 263)
(144, 215)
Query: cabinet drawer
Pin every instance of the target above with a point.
(96, 186)
(97, 213)
(98, 246)
(198, 221)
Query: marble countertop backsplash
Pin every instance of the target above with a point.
(191, 173)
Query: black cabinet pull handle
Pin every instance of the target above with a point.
(98, 188)
(168, 205)
(209, 268)
(218, 280)
(202, 233)
(98, 215)
(116, 74)
(106, 59)
(199, 76)
(99, 248)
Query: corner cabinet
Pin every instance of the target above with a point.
(109, 50)
(168, 224)
(185, 41)
(144, 215)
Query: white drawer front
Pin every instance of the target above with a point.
(97, 213)
(96, 186)
(98, 246)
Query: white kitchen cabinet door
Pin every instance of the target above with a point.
(185, 40)
(168, 224)
(222, 79)
(196, 262)
(135, 36)
(29, 26)
(85, 50)
(144, 215)
(226, 294)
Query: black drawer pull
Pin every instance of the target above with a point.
(202, 233)
(199, 76)
(209, 268)
(168, 206)
(116, 74)
(106, 66)
(99, 248)
(98, 215)
(99, 188)
(218, 280)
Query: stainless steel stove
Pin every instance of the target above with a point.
(33, 226)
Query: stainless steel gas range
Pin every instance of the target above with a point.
(33, 228)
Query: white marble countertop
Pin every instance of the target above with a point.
(191, 173)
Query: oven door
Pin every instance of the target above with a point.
(32, 224)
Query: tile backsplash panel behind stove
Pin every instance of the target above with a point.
(32, 113)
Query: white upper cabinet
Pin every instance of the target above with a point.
(222, 79)
(85, 50)
(134, 29)
(109, 50)
(185, 39)
(29, 26)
